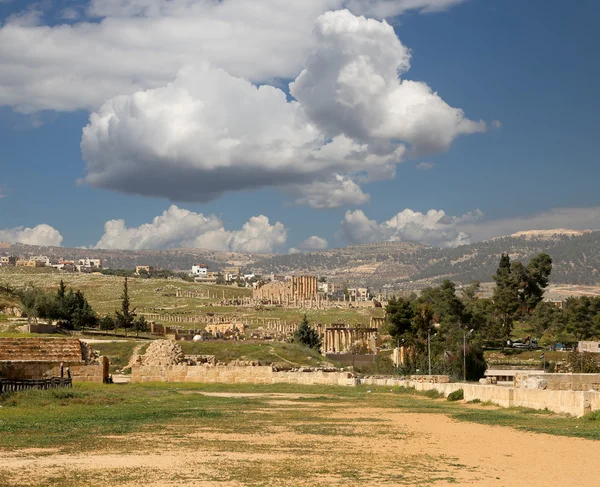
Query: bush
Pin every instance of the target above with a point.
(432, 393)
(457, 395)
(583, 363)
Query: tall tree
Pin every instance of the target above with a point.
(125, 318)
(399, 315)
(506, 296)
(422, 322)
(307, 335)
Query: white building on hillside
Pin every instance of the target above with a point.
(200, 270)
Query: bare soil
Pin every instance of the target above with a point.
(372, 446)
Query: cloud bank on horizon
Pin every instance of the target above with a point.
(39, 235)
(177, 228)
(180, 228)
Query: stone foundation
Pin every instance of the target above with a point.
(36, 370)
(237, 375)
(561, 382)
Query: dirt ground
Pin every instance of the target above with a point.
(371, 446)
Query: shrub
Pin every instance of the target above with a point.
(432, 393)
(457, 395)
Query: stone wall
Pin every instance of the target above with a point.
(575, 403)
(562, 382)
(235, 375)
(38, 369)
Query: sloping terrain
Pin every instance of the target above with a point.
(576, 257)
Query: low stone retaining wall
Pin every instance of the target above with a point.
(237, 375)
(562, 382)
(37, 369)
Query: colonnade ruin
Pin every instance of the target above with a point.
(341, 338)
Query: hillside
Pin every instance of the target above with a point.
(391, 264)
(406, 265)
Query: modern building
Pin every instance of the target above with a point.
(200, 270)
(143, 268)
(231, 273)
(89, 265)
(29, 263)
(44, 259)
(358, 294)
(588, 346)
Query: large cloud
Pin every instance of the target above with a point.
(432, 228)
(131, 45)
(39, 235)
(177, 227)
(209, 132)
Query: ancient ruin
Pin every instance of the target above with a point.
(37, 358)
(294, 291)
(341, 338)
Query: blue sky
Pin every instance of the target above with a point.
(533, 66)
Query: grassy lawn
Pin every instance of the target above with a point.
(119, 352)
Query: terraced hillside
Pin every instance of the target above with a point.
(576, 257)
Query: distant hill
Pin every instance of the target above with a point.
(405, 265)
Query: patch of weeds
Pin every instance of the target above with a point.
(432, 394)
(457, 395)
(474, 401)
(593, 416)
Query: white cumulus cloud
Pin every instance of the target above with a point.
(39, 235)
(337, 192)
(432, 228)
(209, 131)
(314, 243)
(425, 166)
(177, 227)
(132, 45)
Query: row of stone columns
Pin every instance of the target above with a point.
(339, 340)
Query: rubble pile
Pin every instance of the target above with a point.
(88, 354)
(163, 352)
(244, 363)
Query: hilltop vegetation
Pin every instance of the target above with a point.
(576, 258)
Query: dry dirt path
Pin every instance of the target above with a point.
(381, 447)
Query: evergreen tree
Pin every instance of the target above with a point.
(506, 297)
(107, 323)
(140, 324)
(306, 335)
(399, 315)
(125, 318)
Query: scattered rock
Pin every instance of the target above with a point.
(534, 383)
(163, 352)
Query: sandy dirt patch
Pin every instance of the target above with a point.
(430, 449)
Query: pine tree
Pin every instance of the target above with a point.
(306, 335)
(506, 296)
(125, 318)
